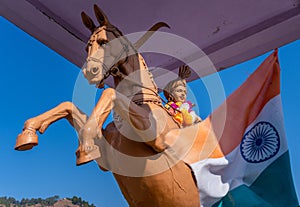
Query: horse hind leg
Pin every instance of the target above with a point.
(28, 138)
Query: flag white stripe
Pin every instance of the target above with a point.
(216, 176)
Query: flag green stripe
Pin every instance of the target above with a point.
(274, 187)
(242, 196)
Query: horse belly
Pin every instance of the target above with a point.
(173, 187)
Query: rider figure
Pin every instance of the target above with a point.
(175, 92)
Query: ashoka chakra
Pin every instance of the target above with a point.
(260, 143)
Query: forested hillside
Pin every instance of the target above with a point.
(53, 201)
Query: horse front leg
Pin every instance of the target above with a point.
(140, 118)
(28, 138)
(92, 129)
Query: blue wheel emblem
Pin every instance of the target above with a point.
(260, 143)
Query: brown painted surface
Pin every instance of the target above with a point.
(148, 172)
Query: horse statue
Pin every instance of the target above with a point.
(134, 146)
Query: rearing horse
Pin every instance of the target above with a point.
(134, 147)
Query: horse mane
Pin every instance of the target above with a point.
(118, 34)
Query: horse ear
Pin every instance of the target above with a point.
(88, 22)
(101, 17)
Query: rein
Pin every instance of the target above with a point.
(118, 73)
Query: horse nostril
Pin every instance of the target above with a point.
(95, 70)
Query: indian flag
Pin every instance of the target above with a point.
(240, 155)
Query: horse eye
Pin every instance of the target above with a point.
(101, 43)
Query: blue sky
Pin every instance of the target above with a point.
(34, 79)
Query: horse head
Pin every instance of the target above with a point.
(107, 48)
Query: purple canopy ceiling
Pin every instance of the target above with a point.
(229, 32)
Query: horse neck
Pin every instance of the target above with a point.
(138, 80)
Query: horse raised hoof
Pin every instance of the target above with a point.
(26, 140)
(86, 154)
